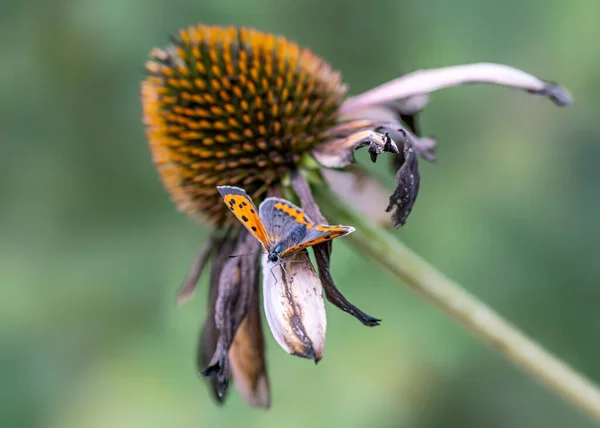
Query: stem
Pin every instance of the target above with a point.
(419, 275)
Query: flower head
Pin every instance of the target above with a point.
(234, 106)
(238, 107)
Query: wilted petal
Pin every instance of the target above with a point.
(234, 293)
(339, 153)
(323, 252)
(294, 306)
(407, 187)
(423, 146)
(209, 335)
(423, 82)
(188, 288)
(247, 357)
(389, 118)
(365, 193)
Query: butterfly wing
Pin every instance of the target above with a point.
(318, 234)
(243, 208)
(282, 220)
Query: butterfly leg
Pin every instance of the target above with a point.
(289, 278)
(274, 277)
(285, 272)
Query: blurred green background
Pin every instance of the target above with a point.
(92, 251)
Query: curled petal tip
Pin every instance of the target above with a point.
(340, 153)
(558, 94)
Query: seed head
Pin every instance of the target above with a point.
(233, 106)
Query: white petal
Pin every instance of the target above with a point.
(423, 82)
(294, 306)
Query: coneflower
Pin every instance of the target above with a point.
(238, 107)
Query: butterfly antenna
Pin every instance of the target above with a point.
(247, 254)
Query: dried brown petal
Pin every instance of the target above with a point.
(210, 335)
(188, 288)
(235, 288)
(407, 186)
(247, 356)
(323, 252)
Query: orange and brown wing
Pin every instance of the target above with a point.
(243, 208)
(281, 218)
(316, 235)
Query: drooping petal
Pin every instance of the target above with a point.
(423, 82)
(407, 187)
(247, 357)
(235, 289)
(364, 192)
(323, 252)
(188, 288)
(209, 335)
(294, 306)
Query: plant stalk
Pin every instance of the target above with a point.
(478, 318)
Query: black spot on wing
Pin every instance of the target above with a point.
(244, 218)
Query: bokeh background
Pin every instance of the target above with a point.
(92, 251)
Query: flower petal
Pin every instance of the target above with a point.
(188, 288)
(426, 81)
(209, 335)
(236, 278)
(294, 306)
(247, 357)
(407, 186)
(323, 252)
(339, 153)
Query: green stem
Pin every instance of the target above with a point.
(478, 318)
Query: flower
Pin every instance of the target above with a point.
(238, 107)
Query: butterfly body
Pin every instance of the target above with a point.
(281, 227)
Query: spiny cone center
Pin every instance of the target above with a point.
(228, 106)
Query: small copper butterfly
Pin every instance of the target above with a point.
(281, 227)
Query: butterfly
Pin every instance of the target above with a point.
(281, 227)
